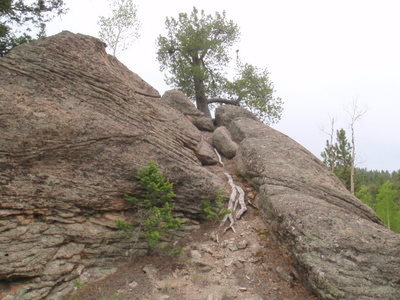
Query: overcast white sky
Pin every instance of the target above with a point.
(321, 55)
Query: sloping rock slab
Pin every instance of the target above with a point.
(341, 247)
(76, 125)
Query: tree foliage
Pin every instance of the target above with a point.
(365, 196)
(196, 52)
(155, 206)
(381, 191)
(122, 28)
(338, 157)
(213, 211)
(386, 207)
(22, 20)
(253, 89)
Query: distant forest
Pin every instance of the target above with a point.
(380, 190)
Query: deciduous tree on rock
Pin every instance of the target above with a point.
(195, 52)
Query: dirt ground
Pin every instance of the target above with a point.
(247, 265)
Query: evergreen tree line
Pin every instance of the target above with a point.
(380, 190)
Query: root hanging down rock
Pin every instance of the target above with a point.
(242, 204)
(219, 157)
(234, 200)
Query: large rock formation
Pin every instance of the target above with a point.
(75, 126)
(341, 247)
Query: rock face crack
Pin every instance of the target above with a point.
(147, 95)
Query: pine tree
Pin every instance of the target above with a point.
(338, 157)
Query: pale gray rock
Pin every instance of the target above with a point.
(225, 114)
(242, 244)
(206, 154)
(151, 271)
(195, 254)
(284, 274)
(179, 101)
(222, 141)
(133, 284)
(204, 123)
(342, 249)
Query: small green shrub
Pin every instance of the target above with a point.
(157, 188)
(160, 223)
(124, 226)
(213, 212)
(78, 283)
(155, 206)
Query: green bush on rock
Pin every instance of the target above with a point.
(155, 207)
(212, 212)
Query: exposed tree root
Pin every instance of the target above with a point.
(234, 200)
(219, 157)
(252, 204)
(242, 204)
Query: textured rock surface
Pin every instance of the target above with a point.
(222, 141)
(181, 102)
(204, 123)
(75, 126)
(339, 243)
(225, 114)
(206, 154)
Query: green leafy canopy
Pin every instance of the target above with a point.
(196, 46)
(211, 211)
(386, 207)
(155, 206)
(120, 29)
(23, 20)
(195, 52)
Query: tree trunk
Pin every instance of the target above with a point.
(201, 99)
(353, 154)
(114, 47)
(200, 90)
(355, 114)
(331, 151)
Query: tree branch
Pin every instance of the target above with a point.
(222, 100)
